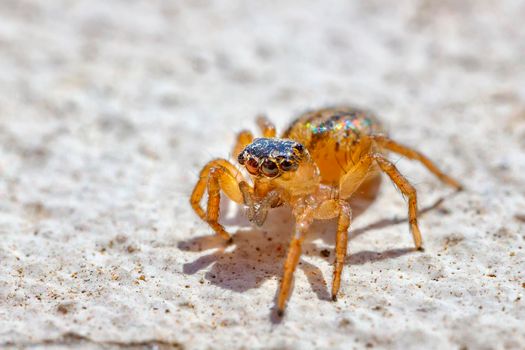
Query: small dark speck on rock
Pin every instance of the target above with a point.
(121, 238)
(345, 323)
(444, 211)
(187, 304)
(325, 253)
(62, 309)
(520, 217)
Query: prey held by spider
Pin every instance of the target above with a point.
(315, 167)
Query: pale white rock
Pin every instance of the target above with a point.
(108, 110)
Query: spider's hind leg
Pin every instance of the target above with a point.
(391, 145)
(407, 189)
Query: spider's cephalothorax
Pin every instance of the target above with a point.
(282, 167)
(270, 157)
(315, 167)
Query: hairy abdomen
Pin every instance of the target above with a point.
(337, 138)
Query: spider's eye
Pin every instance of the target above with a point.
(299, 148)
(252, 166)
(269, 168)
(286, 165)
(241, 159)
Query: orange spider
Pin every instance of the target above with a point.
(315, 167)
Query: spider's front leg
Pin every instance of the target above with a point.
(302, 223)
(328, 209)
(341, 209)
(217, 175)
(245, 137)
(266, 126)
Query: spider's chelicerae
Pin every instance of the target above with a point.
(314, 167)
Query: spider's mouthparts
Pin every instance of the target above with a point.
(256, 215)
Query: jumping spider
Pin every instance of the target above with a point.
(315, 167)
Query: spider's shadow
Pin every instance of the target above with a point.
(257, 254)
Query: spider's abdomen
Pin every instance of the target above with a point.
(336, 138)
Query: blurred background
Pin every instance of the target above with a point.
(108, 110)
(146, 75)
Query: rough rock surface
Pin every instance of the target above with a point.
(109, 109)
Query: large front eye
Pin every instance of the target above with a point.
(252, 166)
(269, 168)
(286, 165)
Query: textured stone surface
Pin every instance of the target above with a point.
(109, 109)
